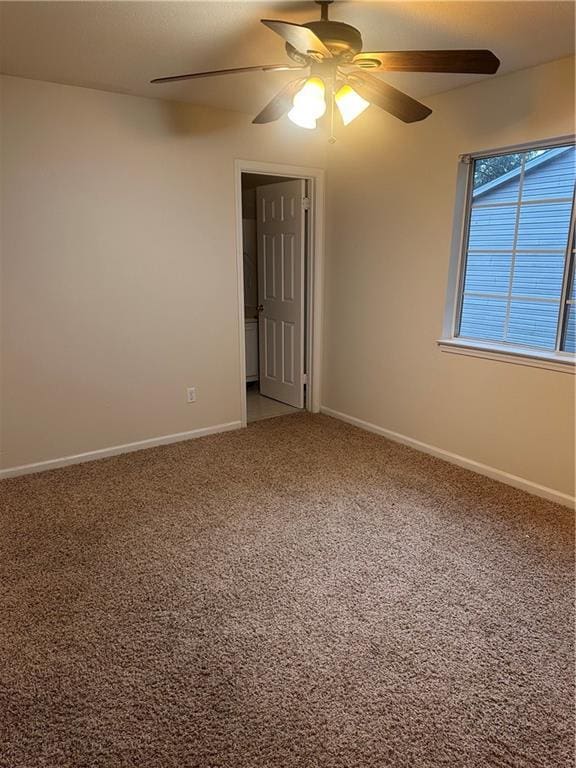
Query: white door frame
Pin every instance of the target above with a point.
(315, 281)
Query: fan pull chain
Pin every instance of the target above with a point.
(332, 139)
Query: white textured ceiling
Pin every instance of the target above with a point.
(121, 46)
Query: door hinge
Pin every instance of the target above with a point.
(306, 203)
(304, 378)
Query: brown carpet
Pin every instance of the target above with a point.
(298, 594)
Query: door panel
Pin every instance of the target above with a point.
(288, 267)
(281, 250)
(270, 349)
(269, 247)
(288, 353)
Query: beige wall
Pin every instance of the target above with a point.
(119, 265)
(391, 196)
(119, 276)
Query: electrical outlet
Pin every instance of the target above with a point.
(191, 394)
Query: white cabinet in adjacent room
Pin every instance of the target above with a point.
(251, 330)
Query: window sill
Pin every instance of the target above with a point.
(554, 361)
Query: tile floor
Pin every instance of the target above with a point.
(259, 407)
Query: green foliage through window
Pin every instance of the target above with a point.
(489, 168)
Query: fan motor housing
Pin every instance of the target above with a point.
(342, 40)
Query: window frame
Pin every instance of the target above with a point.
(557, 359)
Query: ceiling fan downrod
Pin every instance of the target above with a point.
(324, 4)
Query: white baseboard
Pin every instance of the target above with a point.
(102, 453)
(461, 461)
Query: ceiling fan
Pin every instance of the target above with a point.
(332, 53)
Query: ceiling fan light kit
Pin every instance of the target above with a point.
(339, 69)
(309, 103)
(350, 104)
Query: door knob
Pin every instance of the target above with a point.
(260, 307)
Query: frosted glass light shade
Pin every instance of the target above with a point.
(301, 118)
(309, 103)
(350, 104)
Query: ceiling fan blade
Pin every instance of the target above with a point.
(388, 98)
(303, 39)
(471, 61)
(217, 72)
(280, 104)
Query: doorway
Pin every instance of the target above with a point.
(279, 255)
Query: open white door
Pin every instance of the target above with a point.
(281, 250)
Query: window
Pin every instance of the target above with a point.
(515, 289)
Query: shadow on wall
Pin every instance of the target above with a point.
(470, 115)
(193, 120)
